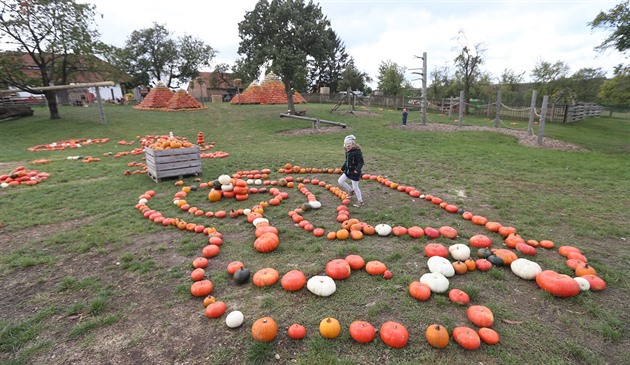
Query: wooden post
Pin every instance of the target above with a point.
(497, 117)
(543, 116)
(424, 88)
(450, 107)
(532, 114)
(101, 112)
(461, 108)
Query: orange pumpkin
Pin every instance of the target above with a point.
(215, 309)
(466, 337)
(362, 332)
(420, 291)
(338, 269)
(296, 331)
(394, 334)
(265, 277)
(437, 336)
(201, 288)
(233, 266)
(356, 262)
(375, 268)
(264, 329)
(480, 315)
(488, 336)
(329, 327)
(267, 242)
(293, 280)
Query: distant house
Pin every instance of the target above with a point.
(207, 84)
(83, 70)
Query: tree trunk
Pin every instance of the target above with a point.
(51, 98)
(287, 89)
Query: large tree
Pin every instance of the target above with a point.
(551, 79)
(327, 71)
(617, 20)
(391, 78)
(615, 93)
(57, 36)
(586, 83)
(284, 35)
(153, 54)
(510, 83)
(468, 65)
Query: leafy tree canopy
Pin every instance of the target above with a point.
(354, 79)
(616, 20)
(391, 78)
(284, 35)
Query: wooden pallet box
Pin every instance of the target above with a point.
(178, 162)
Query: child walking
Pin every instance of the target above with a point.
(352, 168)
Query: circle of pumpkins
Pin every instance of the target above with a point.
(243, 184)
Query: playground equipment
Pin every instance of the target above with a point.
(316, 121)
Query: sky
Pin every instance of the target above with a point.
(516, 35)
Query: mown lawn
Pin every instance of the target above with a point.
(86, 279)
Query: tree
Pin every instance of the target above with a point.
(617, 20)
(352, 78)
(468, 65)
(327, 71)
(615, 93)
(391, 78)
(152, 54)
(284, 35)
(551, 79)
(58, 36)
(510, 82)
(586, 83)
(442, 84)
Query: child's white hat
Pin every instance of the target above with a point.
(350, 140)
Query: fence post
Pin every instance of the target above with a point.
(461, 108)
(543, 116)
(497, 117)
(532, 114)
(101, 112)
(450, 107)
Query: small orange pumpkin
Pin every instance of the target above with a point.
(437, 336)
(329, 327)
(264, 329)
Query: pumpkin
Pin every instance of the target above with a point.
(495, 260)
(460, 267)
(480, 315)
(484, 252)
(441, 265)
(224, 179)
(415, 232)
(267, 242)
(362, 332)
(493, 226)
(525, 269)
(356, 262)
(448, 232)
(506, 230)
(513, 239)
(585, 269)
(234, 319)
(564, 250)
(458, 296)
(394, 334)
(198, 274)
(431, 232)
(459, 251)
(437, 336)
(525, 249)
(200, 262)
(264, 329)
(321, 285)
(262, 229)
(209, 300)
(546, 244)
(437, 282)
(338, 269)
(480, 241)
(556, 284)
(329, 327)
(399, 231)
(420, 291)
(506, 255)
(293, 280)
(215, 310)
(383, 229)
(466, 337)
(296, 331)
(483, 265)
(214, 195)
(584, 284)
(201, 288)
(233, 266)
(596, 283)
(375, 268)
(343, 234)
(241, 276)
(265, 277)
(435, 249)
(369, 230)
(488, 336)
(470, 264)
(210, 251)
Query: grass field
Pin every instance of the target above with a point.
(87, 280)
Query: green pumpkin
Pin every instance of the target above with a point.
(495, 260)
(241, 276)
(484, 253)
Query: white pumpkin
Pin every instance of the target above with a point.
(525, 269)
(234, 319)
(584, 284)
(227, 187)
(246, 211)
(4, 185)
(175, 201)
(383, 229)
(441, 265)
(224, 179)
(258, 182)
(142, 201)
(321, 285)
(249, 181)
(315, 204)
(258, 220)
(437, 282)
(459, 251)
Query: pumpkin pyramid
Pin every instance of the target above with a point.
(157, 98)
(183, 101)
(270, 91)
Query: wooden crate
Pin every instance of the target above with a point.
(179, 162)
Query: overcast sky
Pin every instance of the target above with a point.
(515, 34)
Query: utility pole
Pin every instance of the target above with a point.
(424, 102)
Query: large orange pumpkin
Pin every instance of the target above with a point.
(201, 288)
(466, 337)
(293, 280)
(265, 277)
(437, 336)
(264, 329)
(267, 242)
(394, 334)
(338, 269)
(362, 332)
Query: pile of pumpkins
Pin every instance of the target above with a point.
(22, 176)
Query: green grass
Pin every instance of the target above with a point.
(82, 269)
